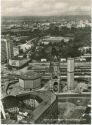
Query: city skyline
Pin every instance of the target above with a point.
(45, 7)
(46, 62)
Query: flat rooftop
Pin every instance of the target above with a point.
(47, 97)
(30, 76)
(57, 38)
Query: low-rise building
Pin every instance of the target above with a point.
(25, 47)
(52, 40)
(40, 67)
(16, 50)
(18, 62)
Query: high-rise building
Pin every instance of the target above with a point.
(70, 73)
(6, 48)
(3, 50)
(9, 48)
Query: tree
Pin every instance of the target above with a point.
(72, 49)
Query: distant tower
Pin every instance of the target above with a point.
(55, 66)
(3, 50)
(70, 73)
(55, 70)
(9, 48)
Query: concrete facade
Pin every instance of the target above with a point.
(47, 109)
(30, 80)
(30, 84)
(3, 50)
(9, 48)
(70, 73)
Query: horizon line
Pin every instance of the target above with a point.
(45, 15)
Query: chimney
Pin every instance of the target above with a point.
(70, 73)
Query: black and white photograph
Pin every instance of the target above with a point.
(45, 62)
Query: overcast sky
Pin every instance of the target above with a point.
(44, 7)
